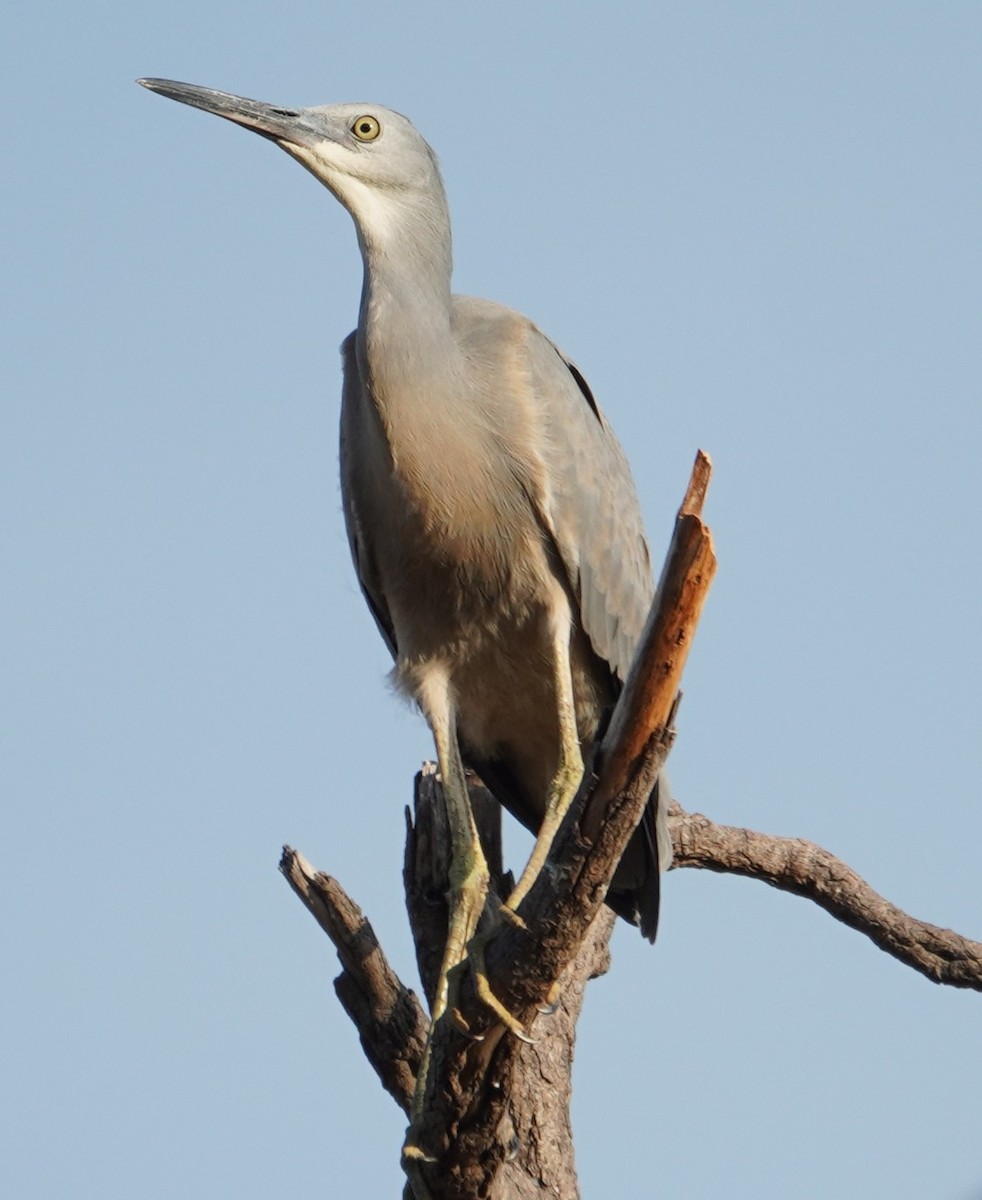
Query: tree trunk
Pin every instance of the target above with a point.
(532, 1138)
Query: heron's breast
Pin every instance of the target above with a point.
(460, 591)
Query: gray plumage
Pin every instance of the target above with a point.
(491, 513)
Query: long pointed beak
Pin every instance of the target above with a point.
(287, 125)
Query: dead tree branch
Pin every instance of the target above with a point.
(801, 867)
(389, 1018)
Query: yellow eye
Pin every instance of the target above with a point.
(366, 129)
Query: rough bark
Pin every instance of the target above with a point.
(389, 1018)
(801, 867)
(513, 1133)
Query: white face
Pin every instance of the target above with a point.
(365, 143)
(371, 158)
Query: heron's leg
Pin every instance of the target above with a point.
(469, 874)
(468, 868)
(569, 771)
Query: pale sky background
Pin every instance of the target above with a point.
(757, 229)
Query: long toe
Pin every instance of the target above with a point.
(475, 953)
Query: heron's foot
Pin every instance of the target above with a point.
(453, 1008)
(467, 905)
(475, 957)
(467, 901)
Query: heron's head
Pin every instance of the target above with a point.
(371, 158)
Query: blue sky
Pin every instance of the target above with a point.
(757, 229)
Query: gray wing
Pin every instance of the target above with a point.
(593, 513)
(590, 508)
(576, 477)
(352, 409)
(582, 490)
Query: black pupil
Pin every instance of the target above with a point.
(364, 127)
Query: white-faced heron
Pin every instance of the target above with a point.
(492, 517)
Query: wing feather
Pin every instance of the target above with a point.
(353, 406)
(591, 508)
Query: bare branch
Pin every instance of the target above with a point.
(695, 493)
(801, 867)
(647, 703)
(388, 1016)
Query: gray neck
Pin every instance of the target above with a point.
(404, 319)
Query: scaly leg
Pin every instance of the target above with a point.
(469, 875)
(569, 772)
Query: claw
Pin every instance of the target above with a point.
(414, 1154)
(462, 1027)
(475, 959)
(453, 1011)
(512, 917)
(475, 952)
(412, 1160)
(510, 1022)
(552, 1000)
